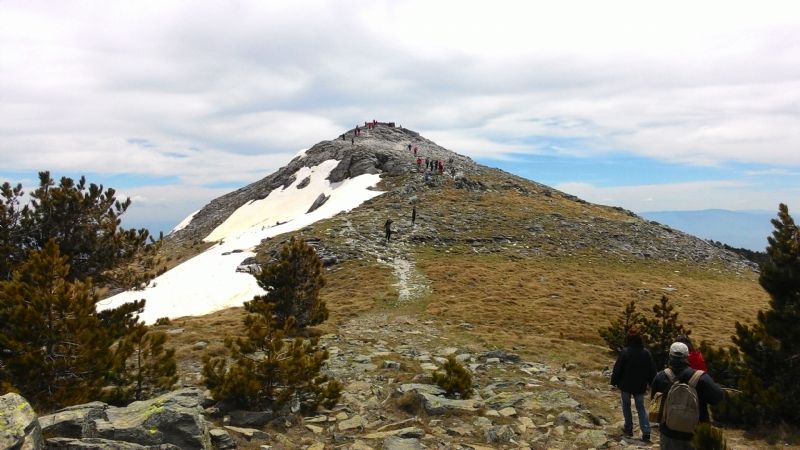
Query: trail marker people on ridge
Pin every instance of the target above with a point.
(686, 394)
(633, 372)
(388, 228)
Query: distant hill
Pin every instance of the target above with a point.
(745, 229)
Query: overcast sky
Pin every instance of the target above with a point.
(646, 105)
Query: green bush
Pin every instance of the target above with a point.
(456, 379)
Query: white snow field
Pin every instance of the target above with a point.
(209, 281)
(185, 222)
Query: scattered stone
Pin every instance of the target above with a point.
(427, 388)
(439, 405)
(221, 439)
(249, 419)
(317, 419)
(351, 423)
(409, 432)
(508, 412)
(592, 438)
(248, 433)
(574, 418)
(314, 428)
(398, 443)
(491, 413)
(499, 435)
(391, 365)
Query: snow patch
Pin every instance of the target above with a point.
(209, 281)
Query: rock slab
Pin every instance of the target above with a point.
(19, 428)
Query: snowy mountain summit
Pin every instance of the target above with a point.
(329, 178)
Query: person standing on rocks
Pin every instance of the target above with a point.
(678, 371)
(633, 372)
(413, 214)
(388, 227)
(352, 141)
(419, 164)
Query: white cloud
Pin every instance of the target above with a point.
(688, 196)
(247, 83)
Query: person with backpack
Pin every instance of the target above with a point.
(633, 372)
(686, 394)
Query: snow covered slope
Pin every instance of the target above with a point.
(209, 281)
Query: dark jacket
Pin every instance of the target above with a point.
(634, 370)
(708, 393)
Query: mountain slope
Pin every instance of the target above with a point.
(470, 215)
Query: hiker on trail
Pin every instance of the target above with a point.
(696, 360)
(409, 147)
(427, 176)
(441, 167)
(415, 151)
(388, 227)
(419, 164)
(413, 215)
(686, 394)
(427, 164)
(352, 141)
(633, 372)
(342, 137)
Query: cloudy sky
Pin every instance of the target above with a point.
(647, 105)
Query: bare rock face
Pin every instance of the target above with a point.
(19, 428)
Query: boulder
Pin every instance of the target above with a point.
(75, 421)
(173, 418)
(101, 444)
(19, 429)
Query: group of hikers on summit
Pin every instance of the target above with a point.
(680, 394)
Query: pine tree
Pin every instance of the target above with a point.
(53, 347)
(293, 283)
(143, 367)
(770, 348)
(84, 220)
(662, 330)
(285, 370)
(615, 334)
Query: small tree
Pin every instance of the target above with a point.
(52, 344)
(143, 367)
(662, 330)
(456, 379)
(615, 334)
(293, 283)
(269, 370)
(659, 330)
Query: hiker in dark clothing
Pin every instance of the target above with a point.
(708, 393)
(413, 215)
(409, 147)
(633, 372)
(352, 141)
(388, 227)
